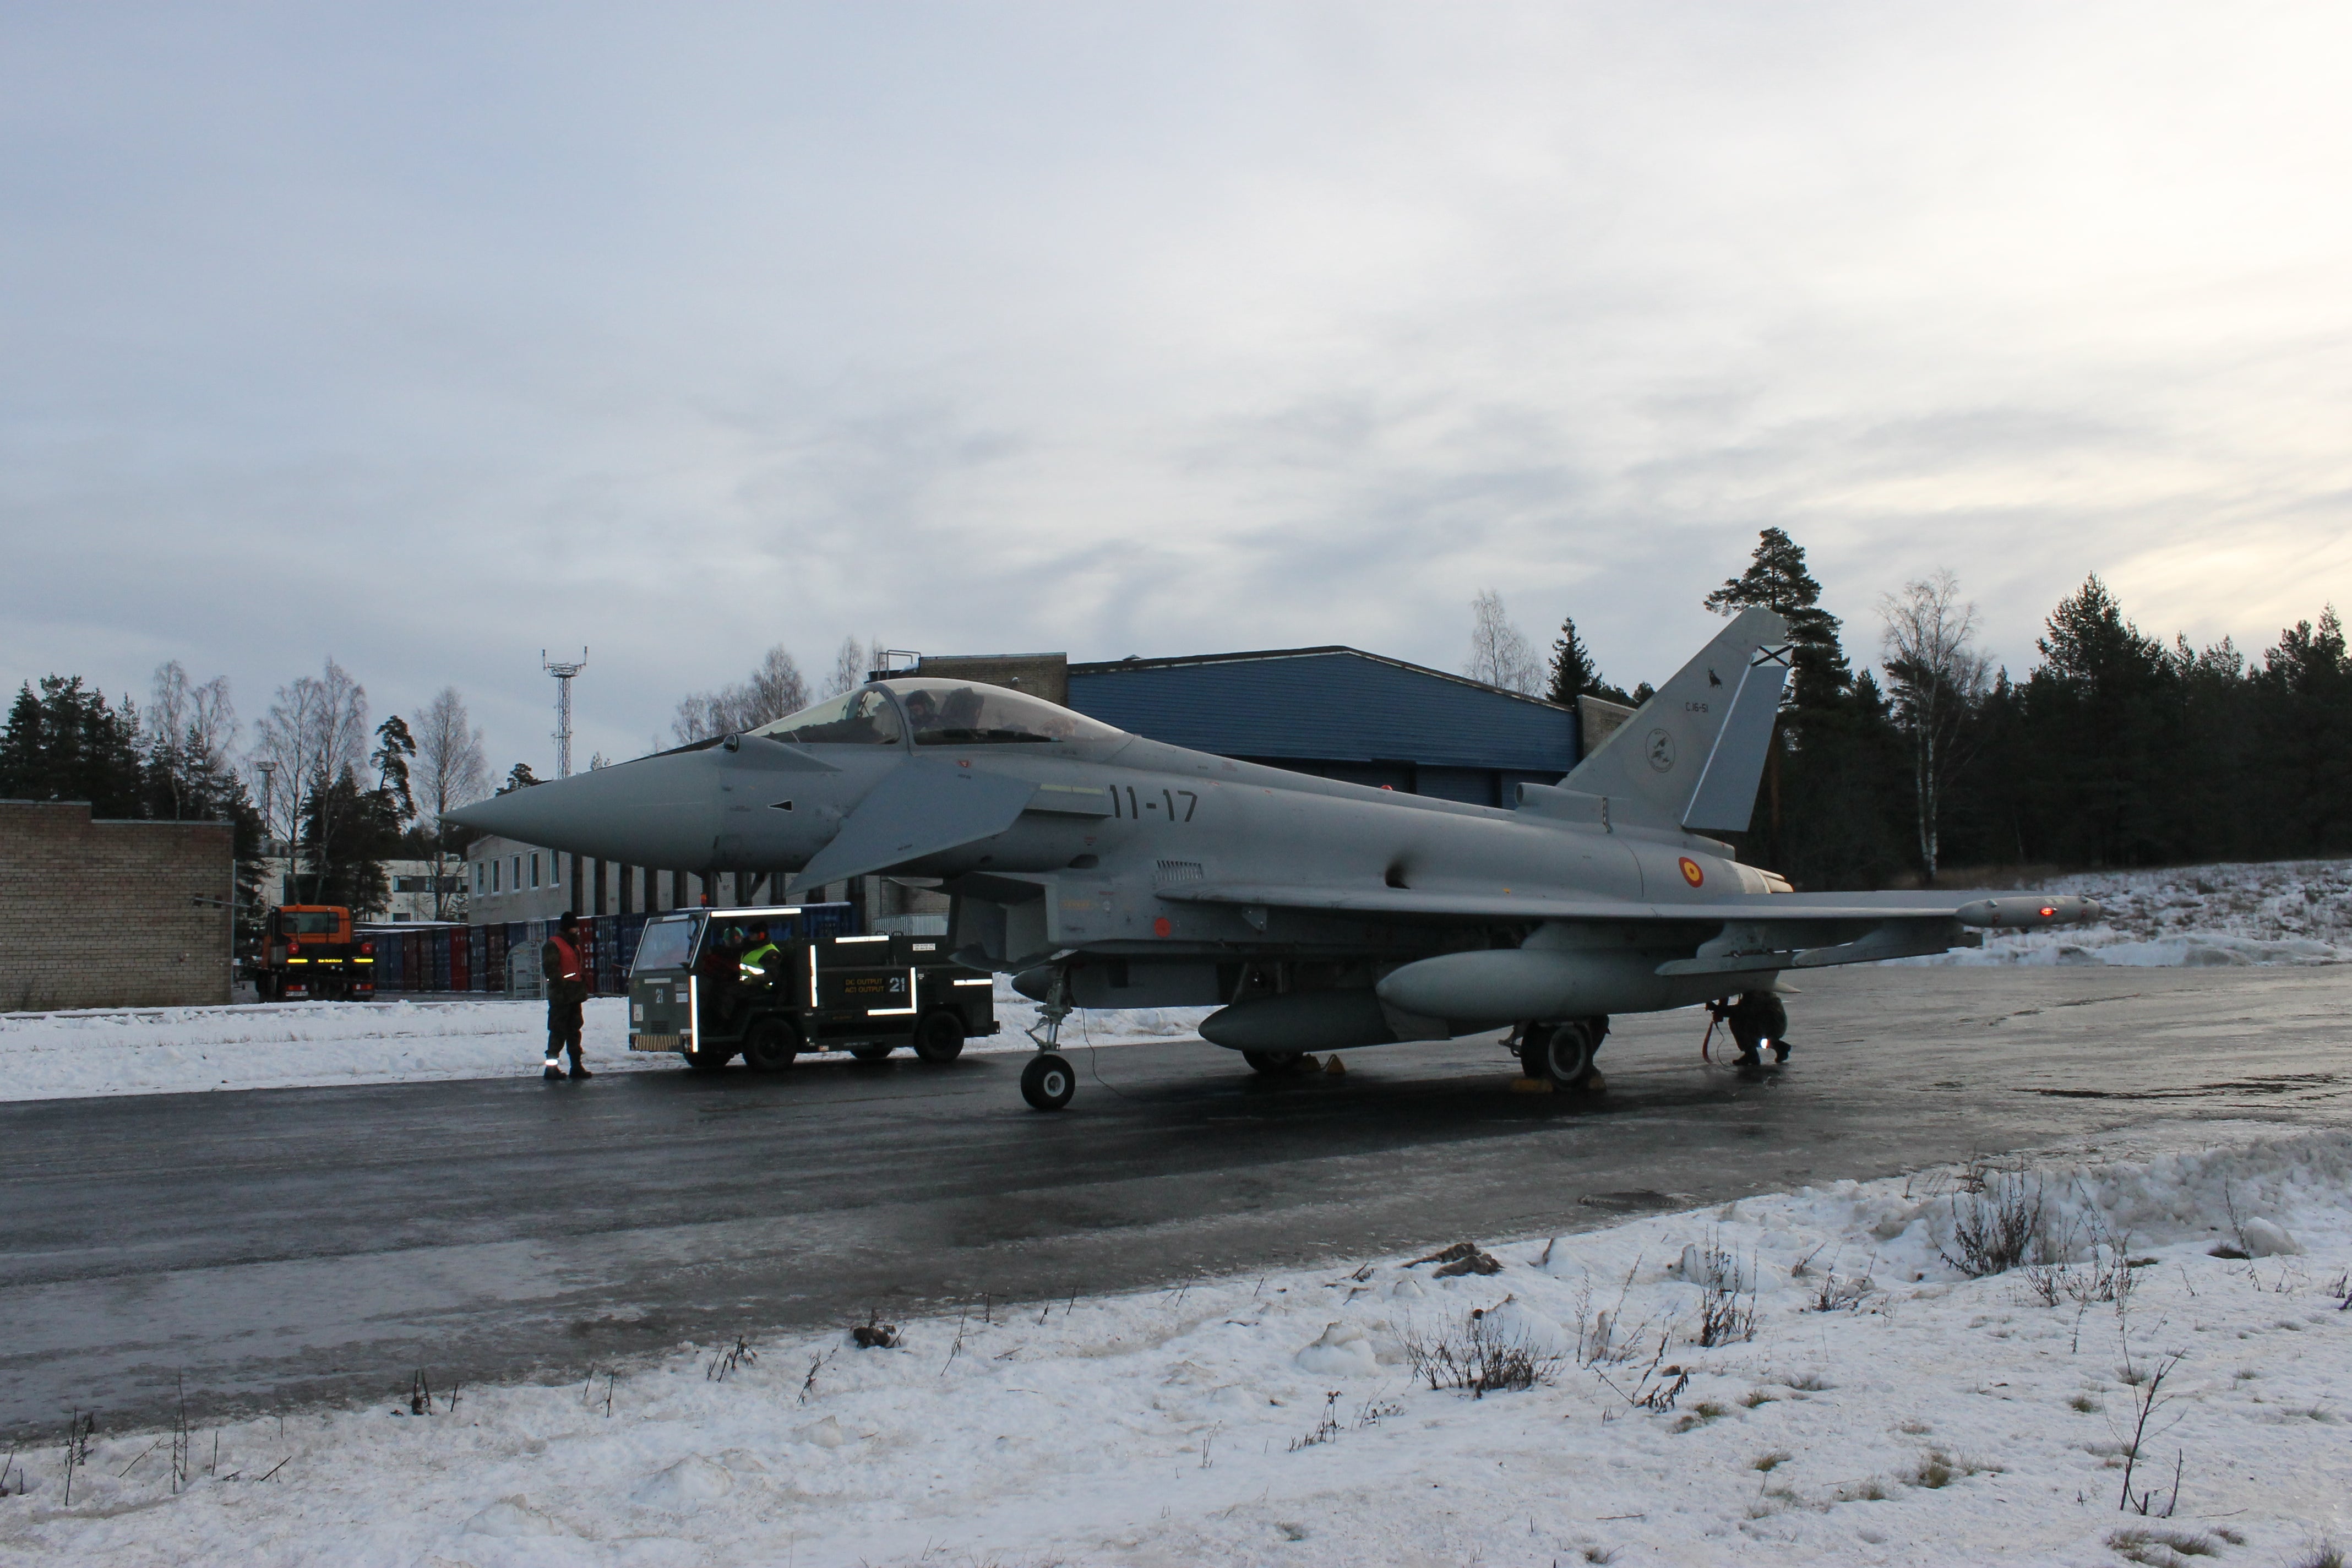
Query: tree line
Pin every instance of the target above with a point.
(2117, 749)
(316, 788)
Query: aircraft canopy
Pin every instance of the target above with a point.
(939, 713)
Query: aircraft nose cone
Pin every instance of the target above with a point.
(655, 811)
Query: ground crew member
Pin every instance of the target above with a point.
(565, 964)
(1756, 1020)
(757, 966)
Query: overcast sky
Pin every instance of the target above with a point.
(427, 337)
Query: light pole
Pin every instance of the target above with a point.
(563, 670)
(269, 771)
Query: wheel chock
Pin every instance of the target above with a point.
(1334, 1067)
(1531, 1086)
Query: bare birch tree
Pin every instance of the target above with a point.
(773, 689)
(1500, 654)
(315, 732)
(849, 667)
(450, 771)
(190, 733)
(1937, 677)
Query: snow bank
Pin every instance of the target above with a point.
(2288, 912)
(300, 1045)
(1866, 1403)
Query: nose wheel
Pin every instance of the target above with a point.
(1049, 1081)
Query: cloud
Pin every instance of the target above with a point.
(428, 337)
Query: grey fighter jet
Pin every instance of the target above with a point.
(1104, 870)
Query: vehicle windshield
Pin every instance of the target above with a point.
(966, 714)
(667, 944)
(860, 718)
(309, 923)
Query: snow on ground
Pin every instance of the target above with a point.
(1882, 1407)
(2285, 911)
(291, 1045)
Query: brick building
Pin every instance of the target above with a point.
(112, 914)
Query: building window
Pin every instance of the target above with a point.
(534, 868)
(517, 873)
(478, 876)
(494, 876)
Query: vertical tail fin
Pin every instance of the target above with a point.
(1693, 754)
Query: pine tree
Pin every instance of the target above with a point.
(2105, 710)
(1776, 579)
(1573, 671)
(346, 833)
(69, 744)
(519, 777)
(1575, 674)
(1833, 783)
(395, 749)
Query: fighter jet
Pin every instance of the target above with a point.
(1105, 869)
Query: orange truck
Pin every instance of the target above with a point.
(309, 951)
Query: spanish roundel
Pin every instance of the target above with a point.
(1690, 872)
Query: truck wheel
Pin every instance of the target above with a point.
(770, 1046)
(1049, 1081)
(878, 1051)
(938, 1039)
(1274, 1064)
(708, 1061)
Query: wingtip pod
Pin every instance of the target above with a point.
(2025, 910)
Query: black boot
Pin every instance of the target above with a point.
(553, 1074)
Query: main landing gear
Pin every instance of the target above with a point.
(1757, 1022)
(1049, 1081)
(1561, 1053)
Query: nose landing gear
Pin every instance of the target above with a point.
(1049, 1081)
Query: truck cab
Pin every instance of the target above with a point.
(770, 984)
(309, 951)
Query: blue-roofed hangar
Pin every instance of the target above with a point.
(1338, 712)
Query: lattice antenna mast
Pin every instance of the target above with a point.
(563, 670)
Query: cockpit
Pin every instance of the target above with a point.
(938, 713)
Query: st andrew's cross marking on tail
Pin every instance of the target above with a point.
(1315, 915)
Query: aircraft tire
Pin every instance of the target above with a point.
(1561, 1053)
(938, 1039)
(1274, 1064)
(1049, 1081)
(879, 1051)
(770, 1046)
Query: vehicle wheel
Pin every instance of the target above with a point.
(1049, 1081)
(770, 1046)
(938, 1039)
(1274, 1064)
(1561, 1053)
(877, 1052)
(708, 1061)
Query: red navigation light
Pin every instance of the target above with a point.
(2047, 911)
